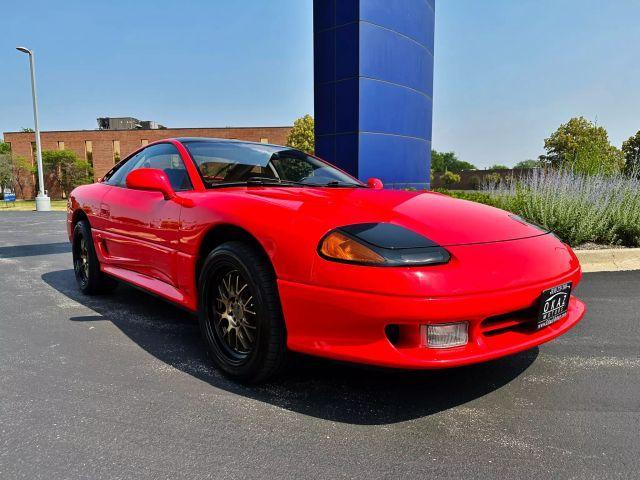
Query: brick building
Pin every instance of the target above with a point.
(103, 148)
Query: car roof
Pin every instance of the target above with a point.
(226, 140)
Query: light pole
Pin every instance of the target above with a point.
(43, 203)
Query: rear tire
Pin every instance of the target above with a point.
(240, 313)
(86, 266)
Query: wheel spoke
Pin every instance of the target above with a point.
(247, 333)
(245, 343)
(232, 309)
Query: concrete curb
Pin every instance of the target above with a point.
(609, 260)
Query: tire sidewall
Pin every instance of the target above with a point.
(231, 254)
(82, 230)
(97, 282)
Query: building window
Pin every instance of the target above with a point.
(88, 152)
(60, 145)
(116, 151)
(144, 142)
(264, 140)
(33, 152)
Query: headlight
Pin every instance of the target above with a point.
(380, 244)
(337, 246)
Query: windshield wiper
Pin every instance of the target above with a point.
(336, 183)
(260, 181)
(256, 182)
(271, 181)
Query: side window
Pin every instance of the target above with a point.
(163, 156)
(119, 177)
(166, 157)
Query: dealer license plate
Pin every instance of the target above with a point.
(554, 304)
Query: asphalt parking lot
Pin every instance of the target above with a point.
(118, 386)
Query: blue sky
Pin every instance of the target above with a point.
(507, 72)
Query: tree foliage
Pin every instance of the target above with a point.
(448, 162)
(15, 173)
(5, 148)
(583, 147)
(498, 166)
(302, 135)
(631, 152)
(527, 164)
(6, 171)
(449, 179)
(22, 171)
(66, 170)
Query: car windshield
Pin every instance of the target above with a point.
(224, 163)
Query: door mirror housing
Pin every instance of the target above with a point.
(155, 180)
(151, 179)
(375, 184)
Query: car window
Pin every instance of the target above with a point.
(166, 157)
(118, 177)
(162, 156)
(225, 163)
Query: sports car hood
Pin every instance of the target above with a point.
(445, 220)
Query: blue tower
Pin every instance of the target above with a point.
(374, 87)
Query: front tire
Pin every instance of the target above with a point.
(240, 314)
(86, 266)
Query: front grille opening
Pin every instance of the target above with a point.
(519, 321)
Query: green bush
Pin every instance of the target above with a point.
(449, 179)
(579, 208)
(491, 180)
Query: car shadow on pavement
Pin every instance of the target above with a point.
(330, 390)
(15, 251)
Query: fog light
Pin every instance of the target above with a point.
(445, 335)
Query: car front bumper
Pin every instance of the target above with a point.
(351, 326)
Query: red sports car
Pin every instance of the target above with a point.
(279, 251)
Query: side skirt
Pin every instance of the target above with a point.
(150, 285)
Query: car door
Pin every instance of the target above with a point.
(141, 230)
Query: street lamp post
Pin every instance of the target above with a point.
(43, 203)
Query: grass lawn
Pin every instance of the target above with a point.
(26, 205)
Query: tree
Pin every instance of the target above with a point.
(582, 146)
(15, 173)
(497, 166)
(5, 148)
(22, 172)
(6, 171)
(492, 179)
(302, 135)
(527, 164)
(27, 129)
(448, 162)
(449, 179)
(631, 151)
(66, 170)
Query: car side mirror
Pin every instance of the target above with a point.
(150, 179)
(375, 184)
(155, 180)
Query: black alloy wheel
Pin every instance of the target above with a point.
(85, 262)
(240, 314)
